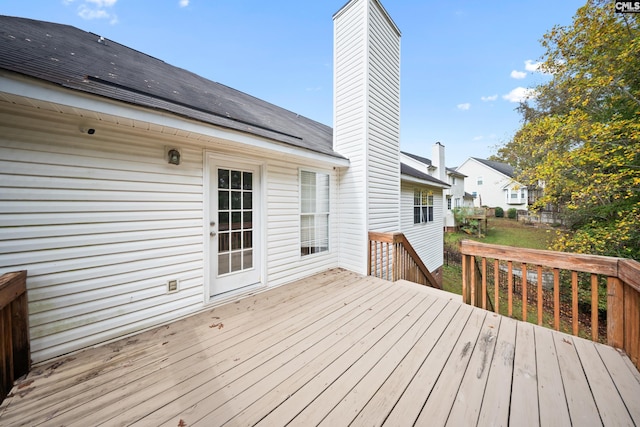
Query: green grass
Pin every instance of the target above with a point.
(500, 231)
(508, 232)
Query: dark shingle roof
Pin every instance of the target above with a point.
(83, 61)
(423, 160)
(408, 170)
(503, 168)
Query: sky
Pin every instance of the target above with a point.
(465, 64)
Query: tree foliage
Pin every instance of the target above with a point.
(581, 134)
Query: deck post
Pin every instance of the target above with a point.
(615, 312)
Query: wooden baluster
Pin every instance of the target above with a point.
(465, 278)
(525, 299)
(510, 290)
(496, 283)
(484, 283)
(594, 307)
(574, 302)
(556, 299)
(474, 284)
(540, 296)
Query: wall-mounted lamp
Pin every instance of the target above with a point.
(174, 156)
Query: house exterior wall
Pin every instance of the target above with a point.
(102, 222)
(492, 192)
(456, 194)
(366, 125)
(426, 238)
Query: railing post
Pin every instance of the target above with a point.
(615, 312)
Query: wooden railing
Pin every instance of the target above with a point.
(392, 257)
(15, 354)
(621, 277)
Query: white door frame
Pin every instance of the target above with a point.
(211, 160)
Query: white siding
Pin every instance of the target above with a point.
(426, 238)
(366, 125)
(350, 132)
(284, 261)
(102, 222)
(384, 122)
(492, 191)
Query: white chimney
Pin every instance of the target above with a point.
(366, 125)
(437, 161)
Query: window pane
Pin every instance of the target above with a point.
(416, 197)
(416, 215)
(236, 200)
(314, 207)
(223, 178)
(430, 208)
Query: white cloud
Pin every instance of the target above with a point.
(529, 65)
(518, 74)
(489, 98)
(95, 9)
(478, 138)
(464, 107)
(184, 3)
(520, 94)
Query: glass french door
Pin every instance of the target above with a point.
(234, 235)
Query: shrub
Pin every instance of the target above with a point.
(512, 213)
(499, 212)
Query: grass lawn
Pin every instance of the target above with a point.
(500, 231)
(508, 232)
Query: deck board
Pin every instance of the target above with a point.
(335, 349)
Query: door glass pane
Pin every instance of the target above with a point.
(247, 238)
(247, 178)
(248, 260)
(236, 200)
(247, 200)
(223, 264)
(236, 220)
(223, 178)
(248, 220)
(223, 221)
(223, 200)
(236, 180)
(236, 261)
(223, 242)
(236, 241)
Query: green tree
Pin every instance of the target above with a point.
(580, 136)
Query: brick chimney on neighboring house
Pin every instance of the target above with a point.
(366, 126)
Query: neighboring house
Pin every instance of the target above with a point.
(492, 184)
(136, 193)
(453, 191)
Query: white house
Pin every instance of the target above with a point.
(448, 179)
(135, 193)
(492, 184)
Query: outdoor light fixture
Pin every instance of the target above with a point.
(174, 156)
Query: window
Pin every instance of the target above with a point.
(314, 212)
(479, 180)
(453, 180)
(422, 206)
(449, 203)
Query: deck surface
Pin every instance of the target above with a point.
(336, 349)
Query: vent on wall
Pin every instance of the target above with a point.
(172, 286)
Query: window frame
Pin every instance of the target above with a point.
(423, 206)
(317, 222)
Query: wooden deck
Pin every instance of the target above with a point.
(336, 349)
